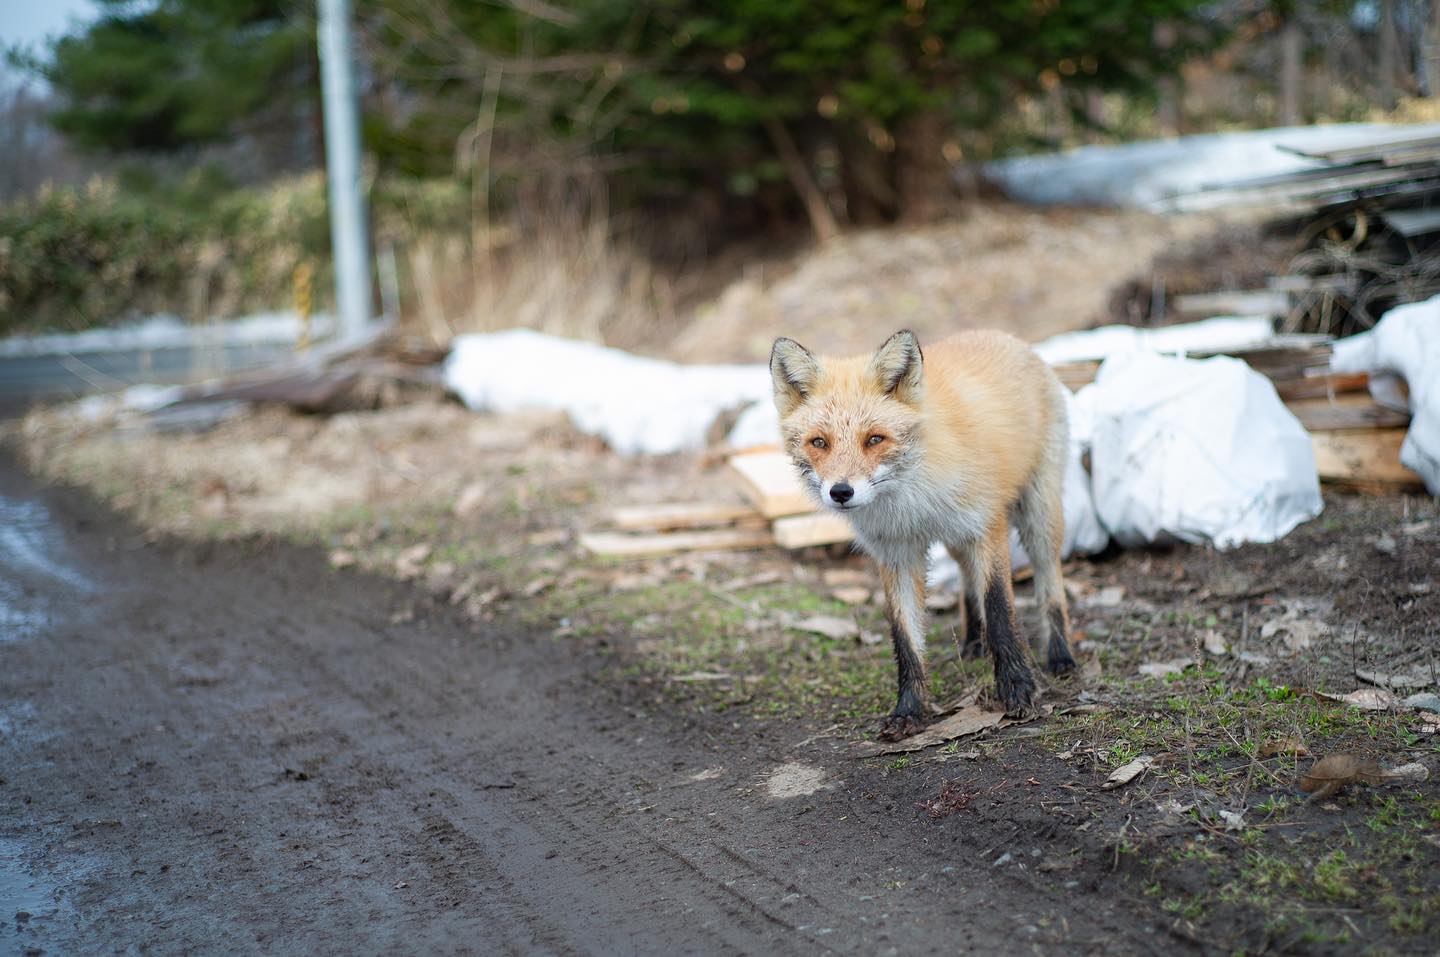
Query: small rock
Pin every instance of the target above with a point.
(1214, 644)
(1414, 772)
(1423, 701)
(342, 558)
(1385, 545)
(1003, 859)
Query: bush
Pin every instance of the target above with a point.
(77, 258)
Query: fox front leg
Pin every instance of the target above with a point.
(905, 608)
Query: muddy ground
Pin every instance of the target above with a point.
(353, 676)
(231, 748)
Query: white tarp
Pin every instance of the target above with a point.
(1196, 450)
(1405, 343)
(634, 403)
(1152, 172)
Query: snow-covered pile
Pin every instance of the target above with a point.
(1151, 173)
(636, 404)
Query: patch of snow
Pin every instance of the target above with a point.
(635, 403)
(1220, 334)
(168, 332)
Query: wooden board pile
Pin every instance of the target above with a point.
(1357, 445)
(1368, 236)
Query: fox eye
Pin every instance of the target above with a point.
(875, 440)
(819, 443)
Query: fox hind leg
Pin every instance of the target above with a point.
(987, 564)
(1040, 519)
(972, 604)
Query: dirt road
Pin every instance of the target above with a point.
(233, 749)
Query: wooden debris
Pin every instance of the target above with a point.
(803, 531)
(1249, 302)
(1351, 411)
(621, 545)
(666, 517)
(769, 481)
(1369, 456)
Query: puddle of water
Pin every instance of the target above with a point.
(30, 548)
(29, 905)
(20, 725)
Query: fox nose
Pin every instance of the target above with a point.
(841, 492)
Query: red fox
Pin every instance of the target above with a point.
(948, 447)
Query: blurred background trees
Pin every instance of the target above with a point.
(682, 126)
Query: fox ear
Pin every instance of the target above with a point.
(793, 372)
(899, 366)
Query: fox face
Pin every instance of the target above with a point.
(850, 425)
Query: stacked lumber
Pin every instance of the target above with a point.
(1369, 235)
(780, 513)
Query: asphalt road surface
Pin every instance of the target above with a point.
(24, 379)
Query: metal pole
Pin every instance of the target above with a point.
(348, 232)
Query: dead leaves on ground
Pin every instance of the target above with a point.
(1331, 773)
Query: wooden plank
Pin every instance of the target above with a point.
(1355, 410)
(769, 481)
(803, 531)
(1316, 386)
(1368, 456)
(1239, 302)
(621, 545)
(672, 515)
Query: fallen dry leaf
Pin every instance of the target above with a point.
(1234, 821)
(470, 499)
(1287, 746)
(830, 626)
(968, 720)
(1128, 772)
(1300, 625)
(1332, 772)
(1371, 699)
(852, 594)
(842, 577)
(537, 585)
(942, 601)
(1159, 669)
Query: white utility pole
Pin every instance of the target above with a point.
(349, 234)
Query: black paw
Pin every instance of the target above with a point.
(1058, 659)
(1015, 687)
(899, 726)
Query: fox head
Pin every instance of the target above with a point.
(851, 425)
